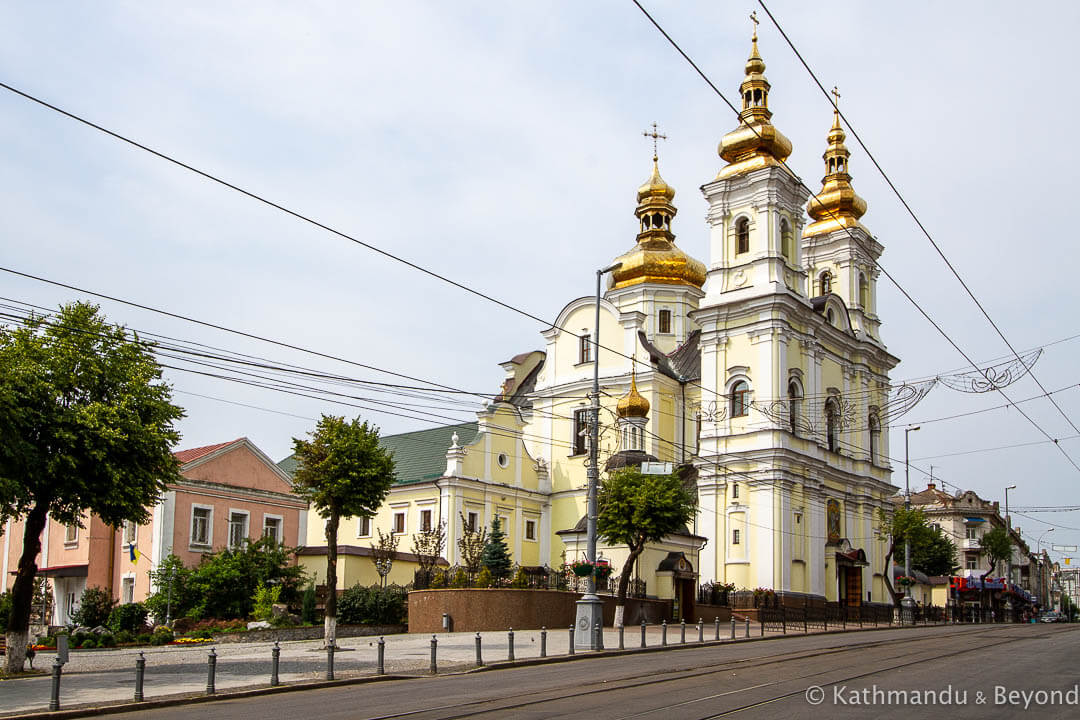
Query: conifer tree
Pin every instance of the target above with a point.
(496, 557)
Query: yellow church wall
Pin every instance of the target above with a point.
(565, 513)
(354, 570)
(579, 321)
(665, 422)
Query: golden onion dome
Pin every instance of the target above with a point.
(837, 205)
(632, 405)
(655, 258)
(755, 143)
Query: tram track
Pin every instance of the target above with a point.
(485, 706)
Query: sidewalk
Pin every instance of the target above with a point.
(103, 677)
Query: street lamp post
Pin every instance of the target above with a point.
(1039, 567)
(590, 608)
(907, 604)
(1008, 561)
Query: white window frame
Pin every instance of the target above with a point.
(123, 579)
(404, 515)
(526, 525)
(192, 543)
(74, 540)
(279, 537)
(430, 520)
(472, 519)
(670, 321)
(360, 526)
(247, 528)
(134, 528)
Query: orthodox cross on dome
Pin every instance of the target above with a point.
(836, 96)
(753, 19)
(655, 135)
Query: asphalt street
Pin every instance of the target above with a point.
(975, 671)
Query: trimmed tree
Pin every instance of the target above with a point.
(635, 509)
(428, 545)
(342, 471)
(382, 554)
(87, 426)
(997, 546)
(496, 556)
(471, 544)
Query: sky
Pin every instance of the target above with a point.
(500, 145)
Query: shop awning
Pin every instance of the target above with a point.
(63, 571)
(975, 520)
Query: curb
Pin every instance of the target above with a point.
(128, 706)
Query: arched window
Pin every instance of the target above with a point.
(875, 438)
(832, 423)
(864, 292)
(742, 236)
(740, 399)
(786, 239)
(825, 283)
(794, 406)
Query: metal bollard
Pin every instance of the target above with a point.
(663, 632)
(543, 641)
(479, 654)
(700, 630)
(682, 631)
(330, 660)
(642, 633)
(54, 696)
(571, 640)
(762, 621)
(434, 669)
(510, 640)
(381, 666)
(599, 630)
(140, 674)
(275, 661)
(211, 669)
(717, 628)
(622, 645)
(748, 626)
(732, 627)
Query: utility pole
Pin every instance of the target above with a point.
(1008, 562)
(907, 604)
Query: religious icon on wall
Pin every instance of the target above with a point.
(832, 517)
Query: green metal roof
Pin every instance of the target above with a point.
(419, 456)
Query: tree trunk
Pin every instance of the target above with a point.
(983, 595)
(887, 575)
(330, 613)
(22, 592)
(624, 584)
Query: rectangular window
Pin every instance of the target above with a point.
(399, 522)
(697, 434)
(200, 526)
(127, 590)
(798, 518)
(473, 522)
(734, 537)
(664, 322)
(272, 527)
(363, 527)
(585, 348)
(581, 425)
(425, 521)
(971, 562)
(71, 534)
(734, 491)
(530, 529)
(130, 530)
(971, 533)
(238, 529)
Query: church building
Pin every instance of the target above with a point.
(759, 376)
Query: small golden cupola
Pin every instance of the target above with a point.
(756, 143)
(837, 206)
(632, 405)
(655, 258)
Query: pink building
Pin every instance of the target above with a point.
(228, 493)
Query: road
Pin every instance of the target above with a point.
(860, 675)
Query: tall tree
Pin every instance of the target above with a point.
(428, 545)
(496, 556)
(87, 425)
(635, 509)
(934, 553)
(471, 544)
(343, 472)
(383, 552)
(900, 525)
(997, 546)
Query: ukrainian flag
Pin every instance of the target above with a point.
(134, 553)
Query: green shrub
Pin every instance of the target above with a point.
(521, 580)
(263, 601)
(460, 579)
(307, 607)
(129, 616)
(161, 636)
(106, 640)
(484, 578)
(95, 606)
(143, 638)
(373, 605)
(5, 610)
(88, 643)
(438, 579)
(124, 637)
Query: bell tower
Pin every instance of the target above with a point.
(840, 253)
